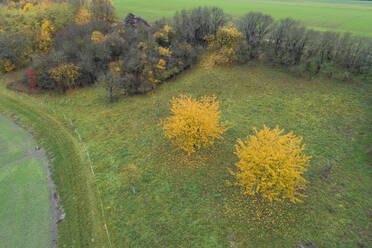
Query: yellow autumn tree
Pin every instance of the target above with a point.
(45, 37)
(271, 165)
(221, 46)
(82, 16)
(194, 123)
(65, 75)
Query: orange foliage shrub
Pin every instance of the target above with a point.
(194, 123)
(271, 165)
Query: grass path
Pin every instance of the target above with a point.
(83, 225)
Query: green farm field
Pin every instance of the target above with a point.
(184, 201)
(335, 15)
(24, 196)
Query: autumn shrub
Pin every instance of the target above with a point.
(194, 123)
(97, 37)
(45, 38)
(82, 16)
(164, 36)
(221, 46)
(271, 165)
(65, 75)
(226, 37)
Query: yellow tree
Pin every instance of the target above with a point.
(194, 123)
(82, 16)
(222, 46)
(271, 165)
(45, 36)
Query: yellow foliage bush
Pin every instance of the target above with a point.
(221, 47)
(115, 66)
(165, 52)
(151, 77)
(6, 66)
(45, 38)
(97, 37)
(227, 36)
(161, 64)
(163, 36)
(82, 16)
(65, 75)
(224, 56)
(271, 165)
(194, 123)
(27, 7)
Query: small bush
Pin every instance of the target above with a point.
(271, 165)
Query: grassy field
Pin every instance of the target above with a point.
(336, 15)
(184, 202)
(24, 195)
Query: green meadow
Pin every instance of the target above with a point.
(180, 200)
(335, 15)
(184, 201)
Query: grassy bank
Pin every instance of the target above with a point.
(83, 226)
(334, 15)
(185, 202)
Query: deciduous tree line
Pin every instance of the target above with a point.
(309, 52)
(132, 56)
